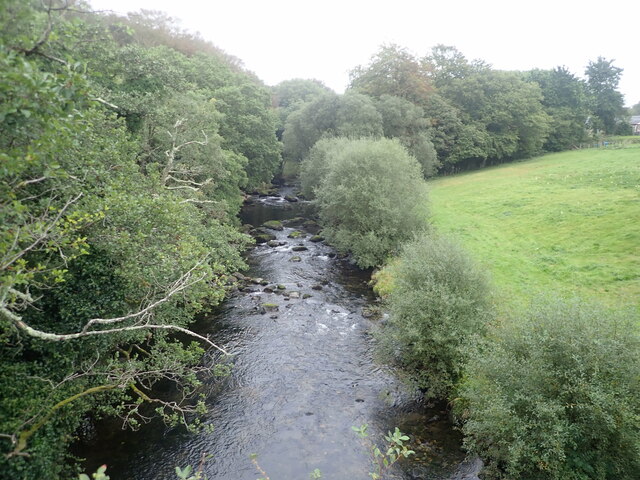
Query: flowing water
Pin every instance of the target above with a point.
(303, 374)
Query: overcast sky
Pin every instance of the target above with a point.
(324, 39)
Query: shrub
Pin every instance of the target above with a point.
(439, 301)
(370, 198)
(315, 167)
(556, 395)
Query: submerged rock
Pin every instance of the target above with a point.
(295, 259)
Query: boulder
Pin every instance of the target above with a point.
(273, 225)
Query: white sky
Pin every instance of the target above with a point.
(324, 39)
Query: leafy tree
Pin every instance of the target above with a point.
(635, 110)
(102, 260)
(554, 394)
(455, 141)
(315, 166)
(357, 117)
(308, 124)
(446, 63)
(565, 101)
(370, 199)
(405, 121)
(607, 102)
(290, 95)
(506, 108)
(393, 71)
(439, 304)
(330, 115)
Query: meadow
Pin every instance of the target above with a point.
(567, 223)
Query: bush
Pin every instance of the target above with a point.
(370, 198)
(439, 302)
(556, 395)
(315, 167)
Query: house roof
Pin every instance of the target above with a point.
(635, 120)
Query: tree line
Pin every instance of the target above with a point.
(125, 147)
(452, 113)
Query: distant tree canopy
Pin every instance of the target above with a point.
(607, 103)
(453, 113)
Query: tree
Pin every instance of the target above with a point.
(565, 101)
(290, 95)
(329, 115)
(393, 71)
(102, 259)
(446, 63)
(439, 304)
(553, 393)
(308, 124)
(407, 122)
(371, 198)
(607, 102)
(506, 108)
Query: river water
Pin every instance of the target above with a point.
(303, 374)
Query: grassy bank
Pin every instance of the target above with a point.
(567, 222)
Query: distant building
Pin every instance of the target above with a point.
(635, 124)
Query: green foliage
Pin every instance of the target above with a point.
(565, 101)
(126, 224)
(439, 304)
(315, 166)
(407, 122)
(98, 475)
(554, 394)
(370, 198)
(393, 71)
(607, 103)
(506, 109)
(394, 450)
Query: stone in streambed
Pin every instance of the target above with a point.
(270, 307)
(273, 225)
(316, 238)
(264, 237)
(299, 248)
(293, 222)
(295, 259)
(297, 234)
(273, 243)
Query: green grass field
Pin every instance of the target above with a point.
(567, 223)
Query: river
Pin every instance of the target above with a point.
(304, 372)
